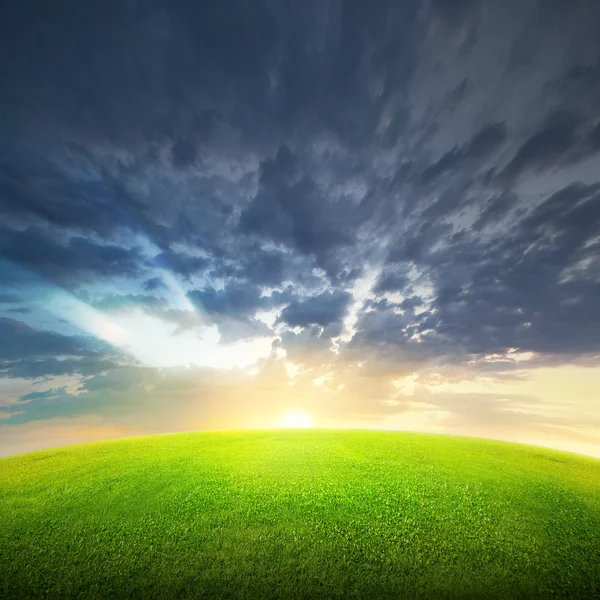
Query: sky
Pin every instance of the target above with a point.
(375, 213)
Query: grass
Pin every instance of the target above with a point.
(299, 514)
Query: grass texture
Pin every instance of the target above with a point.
(299, 514)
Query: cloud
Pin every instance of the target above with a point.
(124, 301)
(32, 353)
(236, 300)
(454, 11)
(324, 310)
(184, 264)
(153, 284)
(507, 285)
(546, 148)
(22, 342)
(391, 281)
(68, 260)
(55, 367)
(265, 267)
(290, 208)
(9, 298)
(487, 141)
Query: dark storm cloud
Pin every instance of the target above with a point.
(324, 310)
(548, 147)
(200, 82)
(184, 152)
(533, 289)
(34, 190)
(448, 162)
(290, 208)
(19, 311)
(264, 267)
(158, 99)
(488, 140)
(415, 245)
(182, 263)
(455, 11)
(411, 303)
(235, 300)
(19, 341)
(391, 281)
(153, 284)
(68, 260)
(9, 298)
(496, 209)
(31, 353)
(190, 64)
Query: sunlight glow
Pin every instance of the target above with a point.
(295, 419)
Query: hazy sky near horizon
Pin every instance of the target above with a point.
(384, 213)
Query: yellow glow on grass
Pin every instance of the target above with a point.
(295, 419)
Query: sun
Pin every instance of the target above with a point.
(295, 419)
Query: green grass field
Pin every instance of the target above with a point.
(300, 514)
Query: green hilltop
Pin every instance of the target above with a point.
(299, 514)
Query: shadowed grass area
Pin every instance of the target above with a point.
(300, 514)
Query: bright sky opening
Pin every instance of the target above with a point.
(295, 419)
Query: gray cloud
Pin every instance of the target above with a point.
(324, 310)
(9, 298)
(546, 148)
(31, 353)
(68, 260)
(291, 208)
(153, 284)
(21, 341)
(234, 300)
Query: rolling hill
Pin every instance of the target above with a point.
(299, 514)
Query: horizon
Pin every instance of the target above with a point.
(336, 215)
(574, 450)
